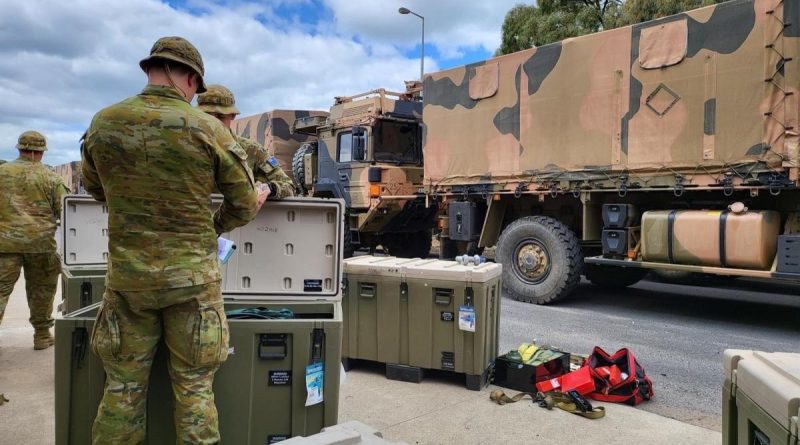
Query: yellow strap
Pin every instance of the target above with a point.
(501, 398)
(549, 401)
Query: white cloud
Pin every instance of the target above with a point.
(61, 61)
(450, 25)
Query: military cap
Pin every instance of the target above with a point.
(177, 49)
(217, 99)
(32, 140)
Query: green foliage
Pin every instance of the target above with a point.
(637, 11)
(526, 26)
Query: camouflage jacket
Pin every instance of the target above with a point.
(156, 160)
(30, 205)
(266, 169)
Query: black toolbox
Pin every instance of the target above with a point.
(521, 377)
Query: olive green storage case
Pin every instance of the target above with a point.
(407, 312)
(761, 398)
(288, 257)
(84, 252)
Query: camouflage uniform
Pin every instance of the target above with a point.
(29, 208)
(266, 169)
(155, 160)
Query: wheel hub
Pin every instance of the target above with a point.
(533, 261)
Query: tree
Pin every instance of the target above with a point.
(637, 11)
(526, 26)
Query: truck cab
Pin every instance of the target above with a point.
(369, 153)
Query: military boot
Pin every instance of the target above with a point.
(42, 339)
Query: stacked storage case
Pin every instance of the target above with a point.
(84, 252)
(422, 314)
(761, 398)
(289, 257)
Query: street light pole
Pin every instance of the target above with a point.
(422, 49)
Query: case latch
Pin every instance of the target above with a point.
(86, 293)
(317, 341)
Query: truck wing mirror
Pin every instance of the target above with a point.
(359, 143)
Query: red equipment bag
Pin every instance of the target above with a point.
(635, 386)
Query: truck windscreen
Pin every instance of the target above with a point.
(397, 142)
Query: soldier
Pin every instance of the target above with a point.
(219, 102)
(155, 159)
(30, 206)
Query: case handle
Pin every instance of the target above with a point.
(367, 290)
(272, 341)
(442, 296)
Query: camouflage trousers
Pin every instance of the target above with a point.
(41, 278)
(125, 336)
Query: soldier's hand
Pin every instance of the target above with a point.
(263, 193)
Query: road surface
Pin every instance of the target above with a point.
(677, 332)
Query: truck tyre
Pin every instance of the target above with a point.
(613, 277)
(542, 259)
(408, 245)
(298, 166)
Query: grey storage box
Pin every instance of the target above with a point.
(761, 398)
(352, 432)
(84, 252)
(407, 313)
(293, 261)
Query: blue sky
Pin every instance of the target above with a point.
(60, 62)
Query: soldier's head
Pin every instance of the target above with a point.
(174, 61)
(219, 102)
(32, 144)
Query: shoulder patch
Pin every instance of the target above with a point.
(273, 162)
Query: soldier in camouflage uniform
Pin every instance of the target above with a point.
(29, 208)
(219, 102)
(155, 160)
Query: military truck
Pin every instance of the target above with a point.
(273, 131)
(667, 145)
(369, 152)
(70, 173)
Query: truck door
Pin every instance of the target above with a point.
(351, 153)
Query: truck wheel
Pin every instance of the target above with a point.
(542, 259)
(613, 277)
(298, 166)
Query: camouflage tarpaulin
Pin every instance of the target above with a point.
(273, 131)
(697, 93)
(71, 175)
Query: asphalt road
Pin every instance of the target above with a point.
(677, 332)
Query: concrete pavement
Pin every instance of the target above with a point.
(437, 411)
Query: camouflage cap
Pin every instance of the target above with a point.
(217, 99)
(32, 140)
(177, 49)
